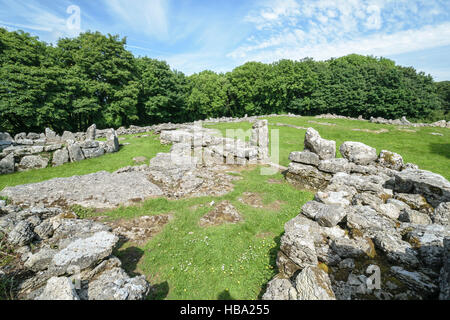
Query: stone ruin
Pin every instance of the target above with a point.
(377, 229)
(63, 257)
(372, 215)
(37, 151)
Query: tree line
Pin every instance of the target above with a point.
(93, 79)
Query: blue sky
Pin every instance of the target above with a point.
(194, 35)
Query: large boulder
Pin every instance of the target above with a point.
(7, 164)
(358, 152)
(93, 152)
(325, 149)
(112, 142)
(434, 187)
(83, 253)
(32, 162)
(75, 152)
(60, 157)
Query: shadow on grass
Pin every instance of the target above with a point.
(225, 295)
(158, 291)
(442, 149)
(273, 252)
(130, 258)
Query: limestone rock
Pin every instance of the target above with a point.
(280, 289)
(307, 176)
(434, 187)
(112, 142)
(358, 152)
(40, 260)
(325, 149)
(93, 152)
(413, 216)
(305, 157)
(59, 289)
(22, 234)
(116, 189)
(415, 281)
(90, 132)
(334, 165)
(390, 160)
(60, 157)
(298, 246)
(83, 253)
(115, 284)
(75, 152)
(442, 214)
(67, 136)
(313, 284)
(330, 215)
(32, 162)
(396, 250)
(7, 164)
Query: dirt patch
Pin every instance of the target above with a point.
(223, 212)
(265, 235)
(275, 181)
(407, 130)
(139, 230)
(372, 131)
(323, 123)
(255, 200)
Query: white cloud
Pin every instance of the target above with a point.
(332, 28)
(144, 16)
(377, 44)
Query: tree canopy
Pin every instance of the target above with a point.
(93, 79)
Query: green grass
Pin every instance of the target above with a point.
(185, 260)
(428, 151)
(145, 146)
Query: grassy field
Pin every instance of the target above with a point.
(186, 261)
(144, 146)
(418, 145)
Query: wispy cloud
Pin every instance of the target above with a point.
(148, 17)
(50, 21)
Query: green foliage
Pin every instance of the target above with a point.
(93, 79)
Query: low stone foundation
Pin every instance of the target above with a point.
(378, 229)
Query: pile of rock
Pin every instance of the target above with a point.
(314, 167)
(377, 229)
(36, 151)
(405, 122)
(64, 258)
(210, 148)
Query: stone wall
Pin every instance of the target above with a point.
(376, 229)
(37, 151)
